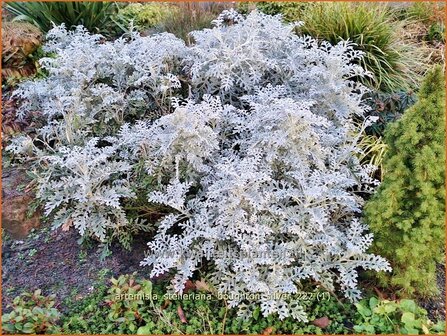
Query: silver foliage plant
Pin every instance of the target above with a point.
(257, 163)
(84, 191)
(275, 198)
(94, 86)
(232, 60)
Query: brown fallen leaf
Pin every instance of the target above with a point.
(181, 314)
(189, 285)
(201, 285)
(165, 304)
(321, 322)
(68, 223)
(379, 293)
(267, 331)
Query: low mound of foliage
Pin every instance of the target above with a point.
(144, 16)
(244, 142)
(132, 305)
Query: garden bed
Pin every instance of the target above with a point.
(30, 264)
(283, 170)
(56, 263)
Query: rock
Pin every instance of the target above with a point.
(15, 206)
(321, 322)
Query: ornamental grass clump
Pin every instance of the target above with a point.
(247, 139)
(375, 31)
(95, 16)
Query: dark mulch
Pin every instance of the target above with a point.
(53, 262)
(435, 306)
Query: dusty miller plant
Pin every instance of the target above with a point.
(256, 162)
(231, 60)
(268, 195)
(93, 87)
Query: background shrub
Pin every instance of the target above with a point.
(186, 17)
(407, 213)
(290, 11)
(145, 16)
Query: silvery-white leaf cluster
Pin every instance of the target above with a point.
(94, 86)
(83, 186)
(255, 159)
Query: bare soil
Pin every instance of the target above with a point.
(54, 262)
(435, 306)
